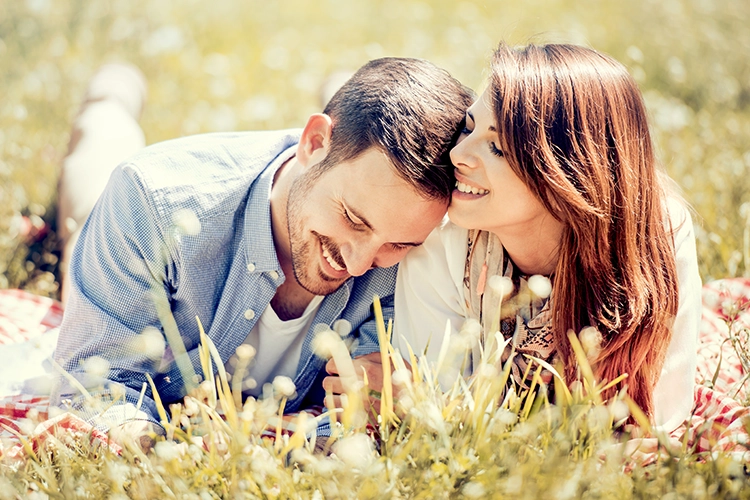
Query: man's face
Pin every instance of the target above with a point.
(355, 216)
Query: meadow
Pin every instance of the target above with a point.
(248, 65)
(244, 65)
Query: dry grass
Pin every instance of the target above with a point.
(482, 436)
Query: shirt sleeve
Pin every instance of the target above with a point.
(673, 395)
(429, 292)
(112, 334)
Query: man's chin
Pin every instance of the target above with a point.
(322, 285)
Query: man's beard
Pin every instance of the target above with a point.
(302, 251)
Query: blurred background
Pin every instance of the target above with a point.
(247, 64)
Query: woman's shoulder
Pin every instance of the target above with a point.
(679, 222)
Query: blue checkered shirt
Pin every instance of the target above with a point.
(183, 230)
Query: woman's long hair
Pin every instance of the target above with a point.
(572, 124)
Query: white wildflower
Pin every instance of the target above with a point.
(429, 414)
(96, 366)
(591, 341)
(540, 285)
(401, 377)
(514, 485)
(473, 489)
(487, 370)
(150, 343)
(325, 343)
(471, 329)
(598, 418)
(284, 386)
(169, 450)
(405, 402)
(355, 451)
(245, 352)
(325, 467)
(187, 222)
(502, 285)
(506, 417)
(619, 410)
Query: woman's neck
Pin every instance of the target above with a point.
(535, 251)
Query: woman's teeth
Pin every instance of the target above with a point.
(465, 188)
(331, 261)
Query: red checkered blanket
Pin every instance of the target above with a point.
(719, 422)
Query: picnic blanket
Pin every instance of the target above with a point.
(720, 422)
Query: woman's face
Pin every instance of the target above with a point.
(488, 194)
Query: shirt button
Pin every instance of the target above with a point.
(251, 267)
(249, 314)
(274, 275)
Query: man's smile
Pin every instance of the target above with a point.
(336, 266)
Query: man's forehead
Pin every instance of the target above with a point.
(405, 218)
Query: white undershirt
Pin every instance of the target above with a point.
(278, 345)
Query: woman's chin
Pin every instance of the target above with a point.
(462, 219)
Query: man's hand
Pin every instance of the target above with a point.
(371, 364)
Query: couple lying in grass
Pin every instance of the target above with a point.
(558, 220)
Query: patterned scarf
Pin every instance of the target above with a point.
(524, 317)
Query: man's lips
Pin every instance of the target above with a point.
(331, 257)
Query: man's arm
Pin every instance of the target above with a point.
(111, 335)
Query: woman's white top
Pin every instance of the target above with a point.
(430, 293)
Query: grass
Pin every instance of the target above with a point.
(482, 436)
(231, 65)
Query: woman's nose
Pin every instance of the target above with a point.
(459, 154)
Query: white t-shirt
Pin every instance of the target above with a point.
(430, 292)
(278, 345)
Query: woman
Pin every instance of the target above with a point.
(556, 176)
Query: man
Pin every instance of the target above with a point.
(261, 236)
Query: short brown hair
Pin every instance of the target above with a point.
(409, 109)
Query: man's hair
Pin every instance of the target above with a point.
(409, 109)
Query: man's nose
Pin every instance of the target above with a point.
(359, 257)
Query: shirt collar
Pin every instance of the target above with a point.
(260, 251)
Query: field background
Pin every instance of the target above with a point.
(233, 65)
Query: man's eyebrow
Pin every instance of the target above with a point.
(364, 221)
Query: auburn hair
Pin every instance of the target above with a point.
(572, 125)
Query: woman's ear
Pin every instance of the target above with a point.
(315, 140)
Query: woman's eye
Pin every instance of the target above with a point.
(495, 150)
